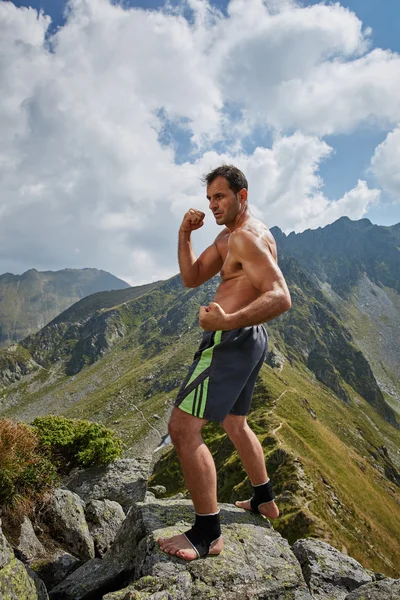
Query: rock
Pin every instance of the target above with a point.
(28, 544)
(16, 581)
(256, 561)
(177, 587)
(329, 574)
(55, 567)
(124, 481)
(275, 359)
(65, 517)
(158, 490)
(387, 589)
(104, 518)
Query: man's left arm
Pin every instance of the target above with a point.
(263, 272)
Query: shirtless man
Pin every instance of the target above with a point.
(220, 383)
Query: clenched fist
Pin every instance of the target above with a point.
(213, 318)
(193, 219)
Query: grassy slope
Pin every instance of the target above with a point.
(325, 462)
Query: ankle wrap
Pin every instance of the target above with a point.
(206, 529)
(262, 494)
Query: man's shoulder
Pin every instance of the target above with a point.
(223, 235)
(253, 236)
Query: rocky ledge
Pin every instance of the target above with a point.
(103, 554)
(256, 563)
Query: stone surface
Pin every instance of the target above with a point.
(256, 562)
(158, 490)
(104, 518)
(16, 581)
(329, 574)
(387, 589)
(28, 544)
(124, 481)
(65, 517)
(55, 567)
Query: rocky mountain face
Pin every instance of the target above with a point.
(96, 538)
(357, 266)
(30, 300)
(330, 435)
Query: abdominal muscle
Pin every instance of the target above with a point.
(236, 293)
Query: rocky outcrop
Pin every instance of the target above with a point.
(329, 573)
(123, 481)
(28, 544)
(16, 581)
(55, 567)
(65, 517)
(256, 560)
(388, 589)
(104, 518)
(15, 362)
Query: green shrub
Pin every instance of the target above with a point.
(75, 443)
(25, 474)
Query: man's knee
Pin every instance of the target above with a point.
(235, 426)
(182, 427)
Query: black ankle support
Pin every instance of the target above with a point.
(206, 529)
(262, 493)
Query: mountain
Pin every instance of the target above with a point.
(30, 300)
(331, 436)
(357, 267)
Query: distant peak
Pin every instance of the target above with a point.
(358, 222)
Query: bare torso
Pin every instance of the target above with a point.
(235, 290)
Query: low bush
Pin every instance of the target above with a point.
(73, 443)
(25, 473)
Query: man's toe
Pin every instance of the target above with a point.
(243, 504)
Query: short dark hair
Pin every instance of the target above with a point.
(235, 178)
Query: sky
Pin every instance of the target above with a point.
(111, 112)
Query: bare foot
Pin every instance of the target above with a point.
(179, 546)
(268, 509)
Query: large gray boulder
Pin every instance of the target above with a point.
(124, 481)
(28, 544)
(387, 589)
(104, 518)
(256, 561)
(65, 516)
(329, 574)
(16, 581)
(55, 567)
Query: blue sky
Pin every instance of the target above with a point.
(312, 116)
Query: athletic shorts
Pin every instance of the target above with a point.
(223, 374)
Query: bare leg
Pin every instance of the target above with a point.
(252, 457)
(200, 477)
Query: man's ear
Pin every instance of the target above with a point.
(243, 194)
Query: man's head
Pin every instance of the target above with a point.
(227, 193)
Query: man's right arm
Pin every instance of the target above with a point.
(195, 271)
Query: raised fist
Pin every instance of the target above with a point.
(193, 219)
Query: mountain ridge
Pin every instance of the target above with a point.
(32, 299)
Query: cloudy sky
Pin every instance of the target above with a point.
(111, 111)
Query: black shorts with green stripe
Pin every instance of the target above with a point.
(223, 374)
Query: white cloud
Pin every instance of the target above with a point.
(85, 178)
(385, 164)
(304, 68)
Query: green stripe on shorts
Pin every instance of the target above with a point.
(195, 403)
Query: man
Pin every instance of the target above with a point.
(220, 382)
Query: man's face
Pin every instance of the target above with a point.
(223, 202)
